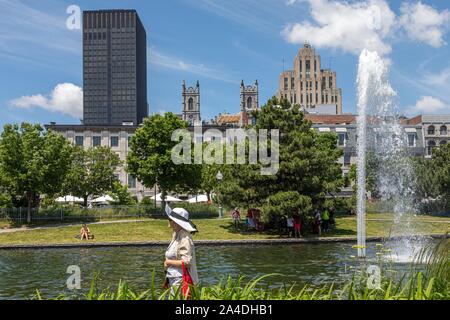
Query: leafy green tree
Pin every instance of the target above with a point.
(148, 202)
(372, 167)
(308, 165)
(150, 161)
(92, 172)
(33, 161)
(121, 195)
(441, 167)
(5, 200)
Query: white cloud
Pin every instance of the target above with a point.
(425, 24)
(368, 24)
(350, 27)
(427, 105)
(65, 98)
(441, 79)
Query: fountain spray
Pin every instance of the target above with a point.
(380, 132)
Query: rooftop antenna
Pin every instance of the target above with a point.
(283, 64)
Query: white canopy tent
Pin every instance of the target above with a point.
(103, 199)
(199, 199)
(168, 198)
(69, 199)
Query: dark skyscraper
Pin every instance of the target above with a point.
(114, 68)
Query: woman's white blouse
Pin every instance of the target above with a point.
(171, 253)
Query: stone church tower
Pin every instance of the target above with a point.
(249, 103)
(191, 103)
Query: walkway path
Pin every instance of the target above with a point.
(67, 225)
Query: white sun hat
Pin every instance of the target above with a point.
(181, 217)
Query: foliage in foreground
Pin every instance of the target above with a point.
(431, 284)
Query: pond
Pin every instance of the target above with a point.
(24, 271)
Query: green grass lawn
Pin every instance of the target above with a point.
(213, 229)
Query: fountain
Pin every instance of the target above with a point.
(380, 134)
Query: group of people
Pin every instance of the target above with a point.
(323, 221)
(252, 219)
(294, 226)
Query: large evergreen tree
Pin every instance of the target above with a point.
(308, 168)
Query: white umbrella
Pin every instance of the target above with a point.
(103, 199)
(168, 198)
(68, 199)
(199, 198)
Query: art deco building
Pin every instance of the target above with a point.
(308, 84)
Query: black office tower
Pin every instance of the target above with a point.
(114, 68)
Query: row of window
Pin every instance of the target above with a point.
(93, 38)
(95, 20)
(97, 141)
(411, 140)
(309, 99)
(442, 131)
(308, 84)
(101, 92)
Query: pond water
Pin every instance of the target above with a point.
(24, 271)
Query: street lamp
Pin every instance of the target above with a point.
(219, 178)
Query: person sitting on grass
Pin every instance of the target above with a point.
(85, 233)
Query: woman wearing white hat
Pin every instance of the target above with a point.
(181, 249)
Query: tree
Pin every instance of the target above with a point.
(92, 172)
(289, 202)
(308, 166)
(150, 161)
(121, 195)
(5, 200)
(441, 167)
(33, 161)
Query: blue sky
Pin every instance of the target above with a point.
(220, 42)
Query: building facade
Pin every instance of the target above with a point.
(345, 127)
(117, 138)
(308, 85)
(435, 130)
(114, 68)
(191, 103)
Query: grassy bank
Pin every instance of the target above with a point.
(213, 229)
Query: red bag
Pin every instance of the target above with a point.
(187, 280)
